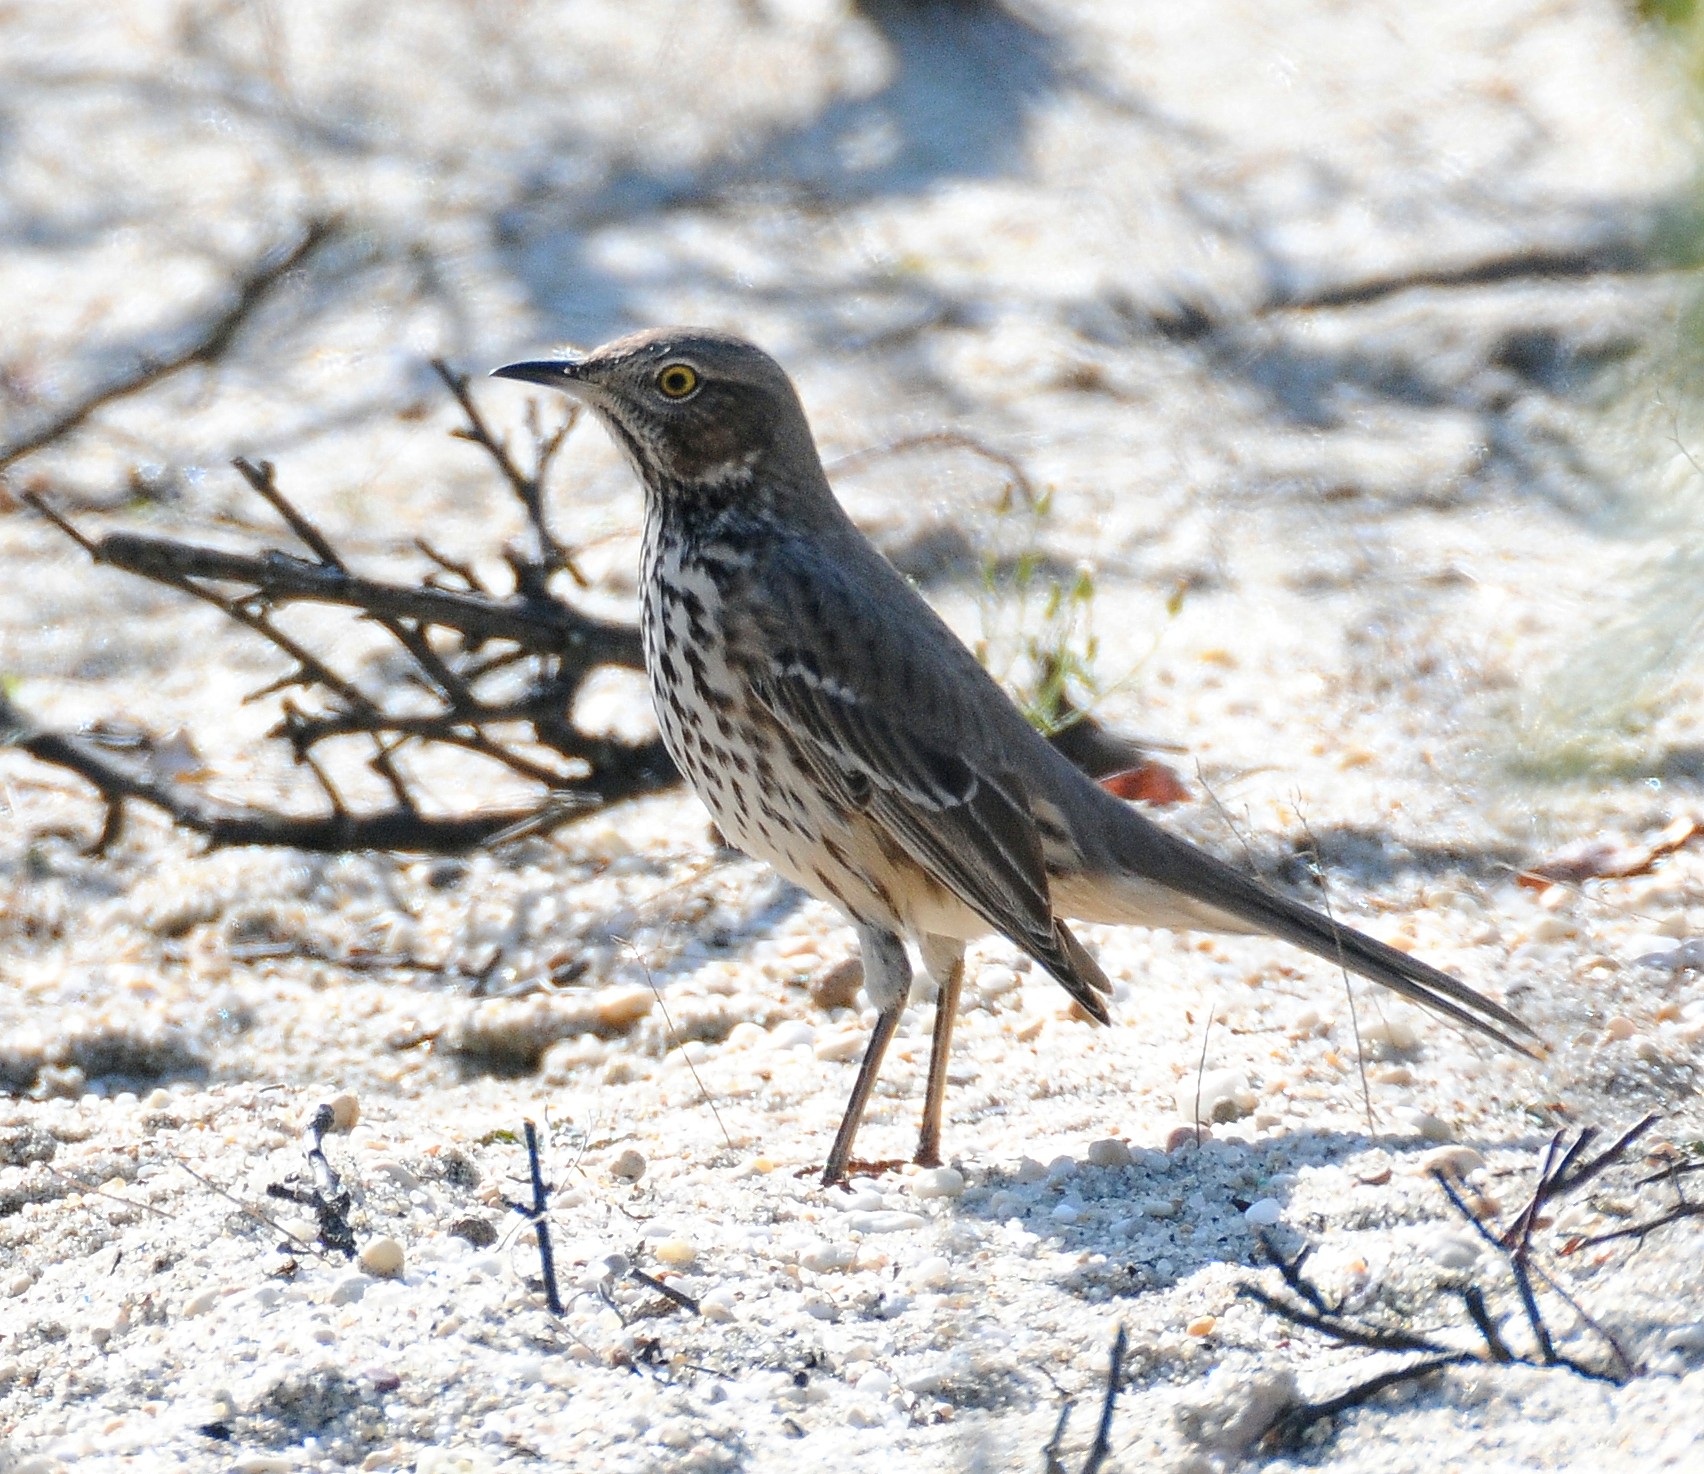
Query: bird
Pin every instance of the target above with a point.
(836, 727)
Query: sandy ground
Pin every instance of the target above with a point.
(1342, 337)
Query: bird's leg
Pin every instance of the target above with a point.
(944, 959)
(887, 984)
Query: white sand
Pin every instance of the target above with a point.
(1419, 536)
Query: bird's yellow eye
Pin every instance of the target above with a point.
(677, 381)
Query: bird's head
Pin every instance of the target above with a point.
(699, 413)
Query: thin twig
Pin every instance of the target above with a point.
(537, 1215)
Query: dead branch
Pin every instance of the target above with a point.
(1565, 1169)
(458, 643)
(207, 344)
(119, 781)
(537, 627)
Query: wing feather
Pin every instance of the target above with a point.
(970, 828)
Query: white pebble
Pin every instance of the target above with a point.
(1454, 1251)
(1061, 1169)
(1067, 1213)
(874, 1383)
(822, 1257)
(1453, 1161)
(838, 1047)
(201, 1302)
(933, 1273)
(676, 1253)
(402, 1176)
(1217, 1095)
(886, 1220)
(1685, 1338)
(434, 1459)
(1390, 1032)
(1548, 928)
(791, 1034)
(350, 1289)
(717, 1304)
(1425, 1124)
(938, 1182)
(382, 1257)
(1263, 1212)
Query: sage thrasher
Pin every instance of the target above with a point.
(835, 727)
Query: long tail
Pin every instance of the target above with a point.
(1154, 855)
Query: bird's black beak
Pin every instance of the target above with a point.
(558, 373)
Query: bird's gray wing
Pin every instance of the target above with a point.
(968, 825)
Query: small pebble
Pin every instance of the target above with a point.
(345, 1112)
(840, 1047)
(717, 1304)
(1216, 1095)
(676, 1253)
(1029, 1170)
(1186, 1138)
(1453, 1161)
(874, 1383)
(1067, 1213)
(619, 1009)
(837, 986)
(477, 1231)
(823, 1257)
(1109, 1151)
(201, 1302)
(1548, 928)
(1425, 1124)
(349, 1290)
(932, 1273)
(1620, 1027)
(1390, 1033)
(402, 1176)
(629, 1166)
(1263, 1212)
(440, 1459)
(888, 1220)
(382, 1257)
(1202, 1325)
(1454, 1251)
(791, 1033)
(938, 1182)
